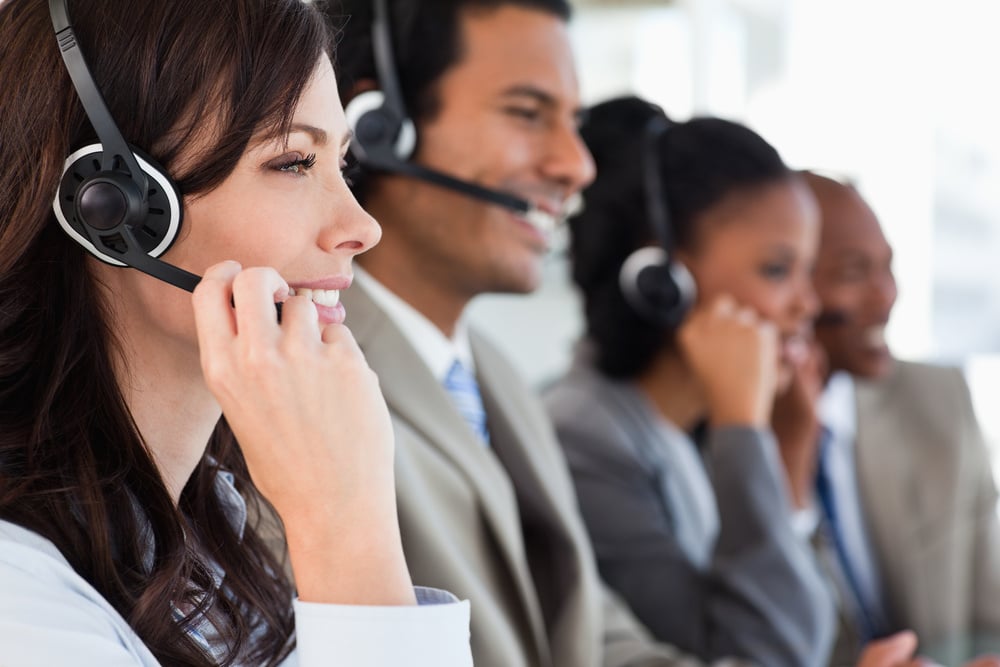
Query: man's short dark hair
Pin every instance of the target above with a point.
(425, 42)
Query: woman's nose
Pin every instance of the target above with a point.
(351, 228)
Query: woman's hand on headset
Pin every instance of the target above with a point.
(314, 429)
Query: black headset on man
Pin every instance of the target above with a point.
(385, 136)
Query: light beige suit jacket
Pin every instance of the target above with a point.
(497, 525)
(930, 501)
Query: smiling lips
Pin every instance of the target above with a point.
(547, 214)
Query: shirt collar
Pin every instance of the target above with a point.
(837, 407)
(437, 350)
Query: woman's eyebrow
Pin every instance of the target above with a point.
(318, 135)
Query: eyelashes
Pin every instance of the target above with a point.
(297, 165)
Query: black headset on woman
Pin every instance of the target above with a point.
(113, 199)
(654, 284)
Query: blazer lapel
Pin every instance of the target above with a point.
(525, 442)
(888, 492)
(415, 397)
(517, 436)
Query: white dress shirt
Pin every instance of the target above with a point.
(437, 350)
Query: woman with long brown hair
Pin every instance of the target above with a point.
(124, 496)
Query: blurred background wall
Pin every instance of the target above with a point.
(899, 96)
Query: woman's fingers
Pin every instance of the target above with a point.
(300, 320)
(313, 428)
(255, 291)
(214, 318)
(300, 396)
(893, 651)
(733, 353)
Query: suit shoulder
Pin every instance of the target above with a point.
(927, 372)
(581, 410)
(917, 383)
(935, 399)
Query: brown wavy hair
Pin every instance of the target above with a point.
(72, 462)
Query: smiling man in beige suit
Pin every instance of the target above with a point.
(911, 478)
(486, 506)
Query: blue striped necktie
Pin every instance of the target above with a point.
(464, 391)
(868, 623)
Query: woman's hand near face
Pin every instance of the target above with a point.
(314, 430)
(796, 424)
(734, 356)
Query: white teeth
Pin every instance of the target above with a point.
(291, 291)
(326, 297)
(573, 206)
(322, 297)
(875, 336)
(544, 222)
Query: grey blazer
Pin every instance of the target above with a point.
(928, 494)
(498, 526)
(757, 593)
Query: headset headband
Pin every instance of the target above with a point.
(116, 159)
(115, 146)
(385, 66)
(652, 176)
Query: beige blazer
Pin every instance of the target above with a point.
(497, 525)
(928, 495)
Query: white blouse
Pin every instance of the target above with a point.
(50, 615)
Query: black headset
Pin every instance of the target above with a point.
(385, 136)
(656, 286)
(113, 199)
(383, 131)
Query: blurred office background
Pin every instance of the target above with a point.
(899, 96)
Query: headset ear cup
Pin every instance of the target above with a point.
(378, 130)
(685, 288)
(656, 288)
(160, 225)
